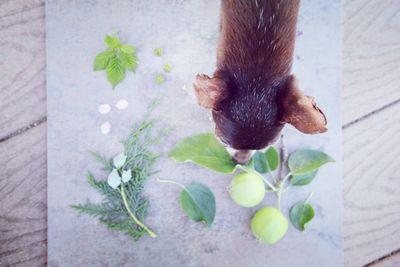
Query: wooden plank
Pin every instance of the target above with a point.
(23, 198)
(371, 226)
(390, 261)
(22, 64)
(371, 56)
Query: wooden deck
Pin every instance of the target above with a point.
(371, 133)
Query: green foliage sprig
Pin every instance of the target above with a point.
(116, 60)
(124, 207)
(247, 188)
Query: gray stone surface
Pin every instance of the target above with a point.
(188, 32)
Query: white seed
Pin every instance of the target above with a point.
(104, 108)
(122, 104)
(105, 127)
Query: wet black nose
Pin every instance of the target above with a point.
(241, 156)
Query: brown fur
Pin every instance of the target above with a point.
(252, 93)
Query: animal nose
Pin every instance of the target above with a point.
(242, 156)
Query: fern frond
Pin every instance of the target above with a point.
(102, 187)
(112, 211)
(94, 210)
(105, 162)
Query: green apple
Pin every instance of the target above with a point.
(247, 189)
(269, 225)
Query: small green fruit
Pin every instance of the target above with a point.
(247, 189)
(269, 225)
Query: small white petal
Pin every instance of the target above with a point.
(104, 108)
(119, 160)
(122, 104)
(126, 176)
(114, 180)
(105, 127)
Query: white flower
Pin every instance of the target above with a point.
(114, 180)
(126, 176)
(119, 160)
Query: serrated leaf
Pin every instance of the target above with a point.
(119, 160)
(265, 162)
(115, 71)
(126, 176)
(304, 179)
(300, 214)
(112, 42)
(129, 49)
(129, 61)
(114, 180)
(204, 150)
(102, 59)
(198, 202)
(304, 161)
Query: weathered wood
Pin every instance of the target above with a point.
(371, 56)
(22, 64)
(371, 225)
(390, 261)
(23, 187)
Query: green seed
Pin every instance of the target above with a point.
(158, 52)
(159, 78)
(167, 67)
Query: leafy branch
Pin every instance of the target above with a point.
(124, 207)
(116, 60)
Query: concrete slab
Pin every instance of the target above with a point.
(188, 31)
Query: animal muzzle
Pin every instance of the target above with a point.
(240, 156)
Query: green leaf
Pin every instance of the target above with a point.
(303, 179)
(112, 42)
(305, 161)
(265, 162)
(300, 214)
(260, 162)
(119, 160)
(115, 71)
(114, 180)
(272, 156)
(129, 49)
(101, 60)
(204, 150)
(198, 202)
(129, 61)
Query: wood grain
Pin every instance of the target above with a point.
(371, 226)
(371, 56)
(23, 187)
(390, 261)
(22, 64)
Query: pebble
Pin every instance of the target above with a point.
(104, 108)
(105, 127)
(122, 104)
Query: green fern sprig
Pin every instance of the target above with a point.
(124, 208)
